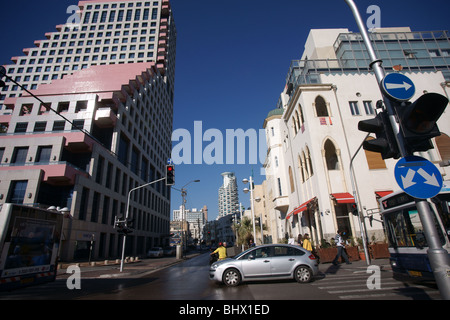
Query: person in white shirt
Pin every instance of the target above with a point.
(340, 244)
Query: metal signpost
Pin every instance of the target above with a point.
(416, 176)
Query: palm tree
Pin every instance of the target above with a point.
(244, 231)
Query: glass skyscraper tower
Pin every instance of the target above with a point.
(228, 195)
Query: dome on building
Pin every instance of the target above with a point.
(275, 112)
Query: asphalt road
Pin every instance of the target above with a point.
(189, 281)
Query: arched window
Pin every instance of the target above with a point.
(301, 169)
(309, 162)
(331, 156)
(321, 107)
(295, 124)
(291, 180)
(302, 120)
(305, 166)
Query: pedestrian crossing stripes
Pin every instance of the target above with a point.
(358, 285)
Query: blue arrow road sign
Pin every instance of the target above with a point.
(418, 177)
(398, 86)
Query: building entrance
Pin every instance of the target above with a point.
(342, 219)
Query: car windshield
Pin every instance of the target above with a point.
(243, 253)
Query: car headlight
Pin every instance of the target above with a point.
(214, 266)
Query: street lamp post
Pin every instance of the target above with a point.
(251, 204)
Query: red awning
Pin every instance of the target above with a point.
(343, 197)
(300, 208)
(289, 215)
(381, 194)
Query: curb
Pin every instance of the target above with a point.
(142, 267)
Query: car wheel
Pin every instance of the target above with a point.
(231, 277)
(303, 274)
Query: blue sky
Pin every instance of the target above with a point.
(232, 60)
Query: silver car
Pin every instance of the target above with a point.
(273, 261)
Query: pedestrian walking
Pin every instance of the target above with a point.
(340, 244)
(306, 242)
(300, 240)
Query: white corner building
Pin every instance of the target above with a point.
(312, 135)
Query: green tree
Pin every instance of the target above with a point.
(244, 231)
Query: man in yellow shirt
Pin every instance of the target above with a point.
(222, 251)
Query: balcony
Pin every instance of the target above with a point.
(162, 44)
(61, 173)
(163, 28)
(77, 142)
(161, 58)
(161, 68)
(55, 173)
(165, 9)
(281, 203)
(105, 118)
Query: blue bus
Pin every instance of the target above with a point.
(29, 244)
(407, 243)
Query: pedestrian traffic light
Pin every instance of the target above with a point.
(385, 143)
(170, 174)
(418, 120)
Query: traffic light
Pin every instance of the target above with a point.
(170, 174)
(354, 209)
(418, 120)
(385, 143)
(120, 226)
(130, 223)
(124, 226)
(2, 74)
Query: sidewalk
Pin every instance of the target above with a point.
(111, 268)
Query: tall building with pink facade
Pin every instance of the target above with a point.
(100, 126)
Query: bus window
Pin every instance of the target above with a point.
(405, 229)
(416, 237)
(442, 203)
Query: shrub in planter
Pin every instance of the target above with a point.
(379, 251)
(327, 254)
